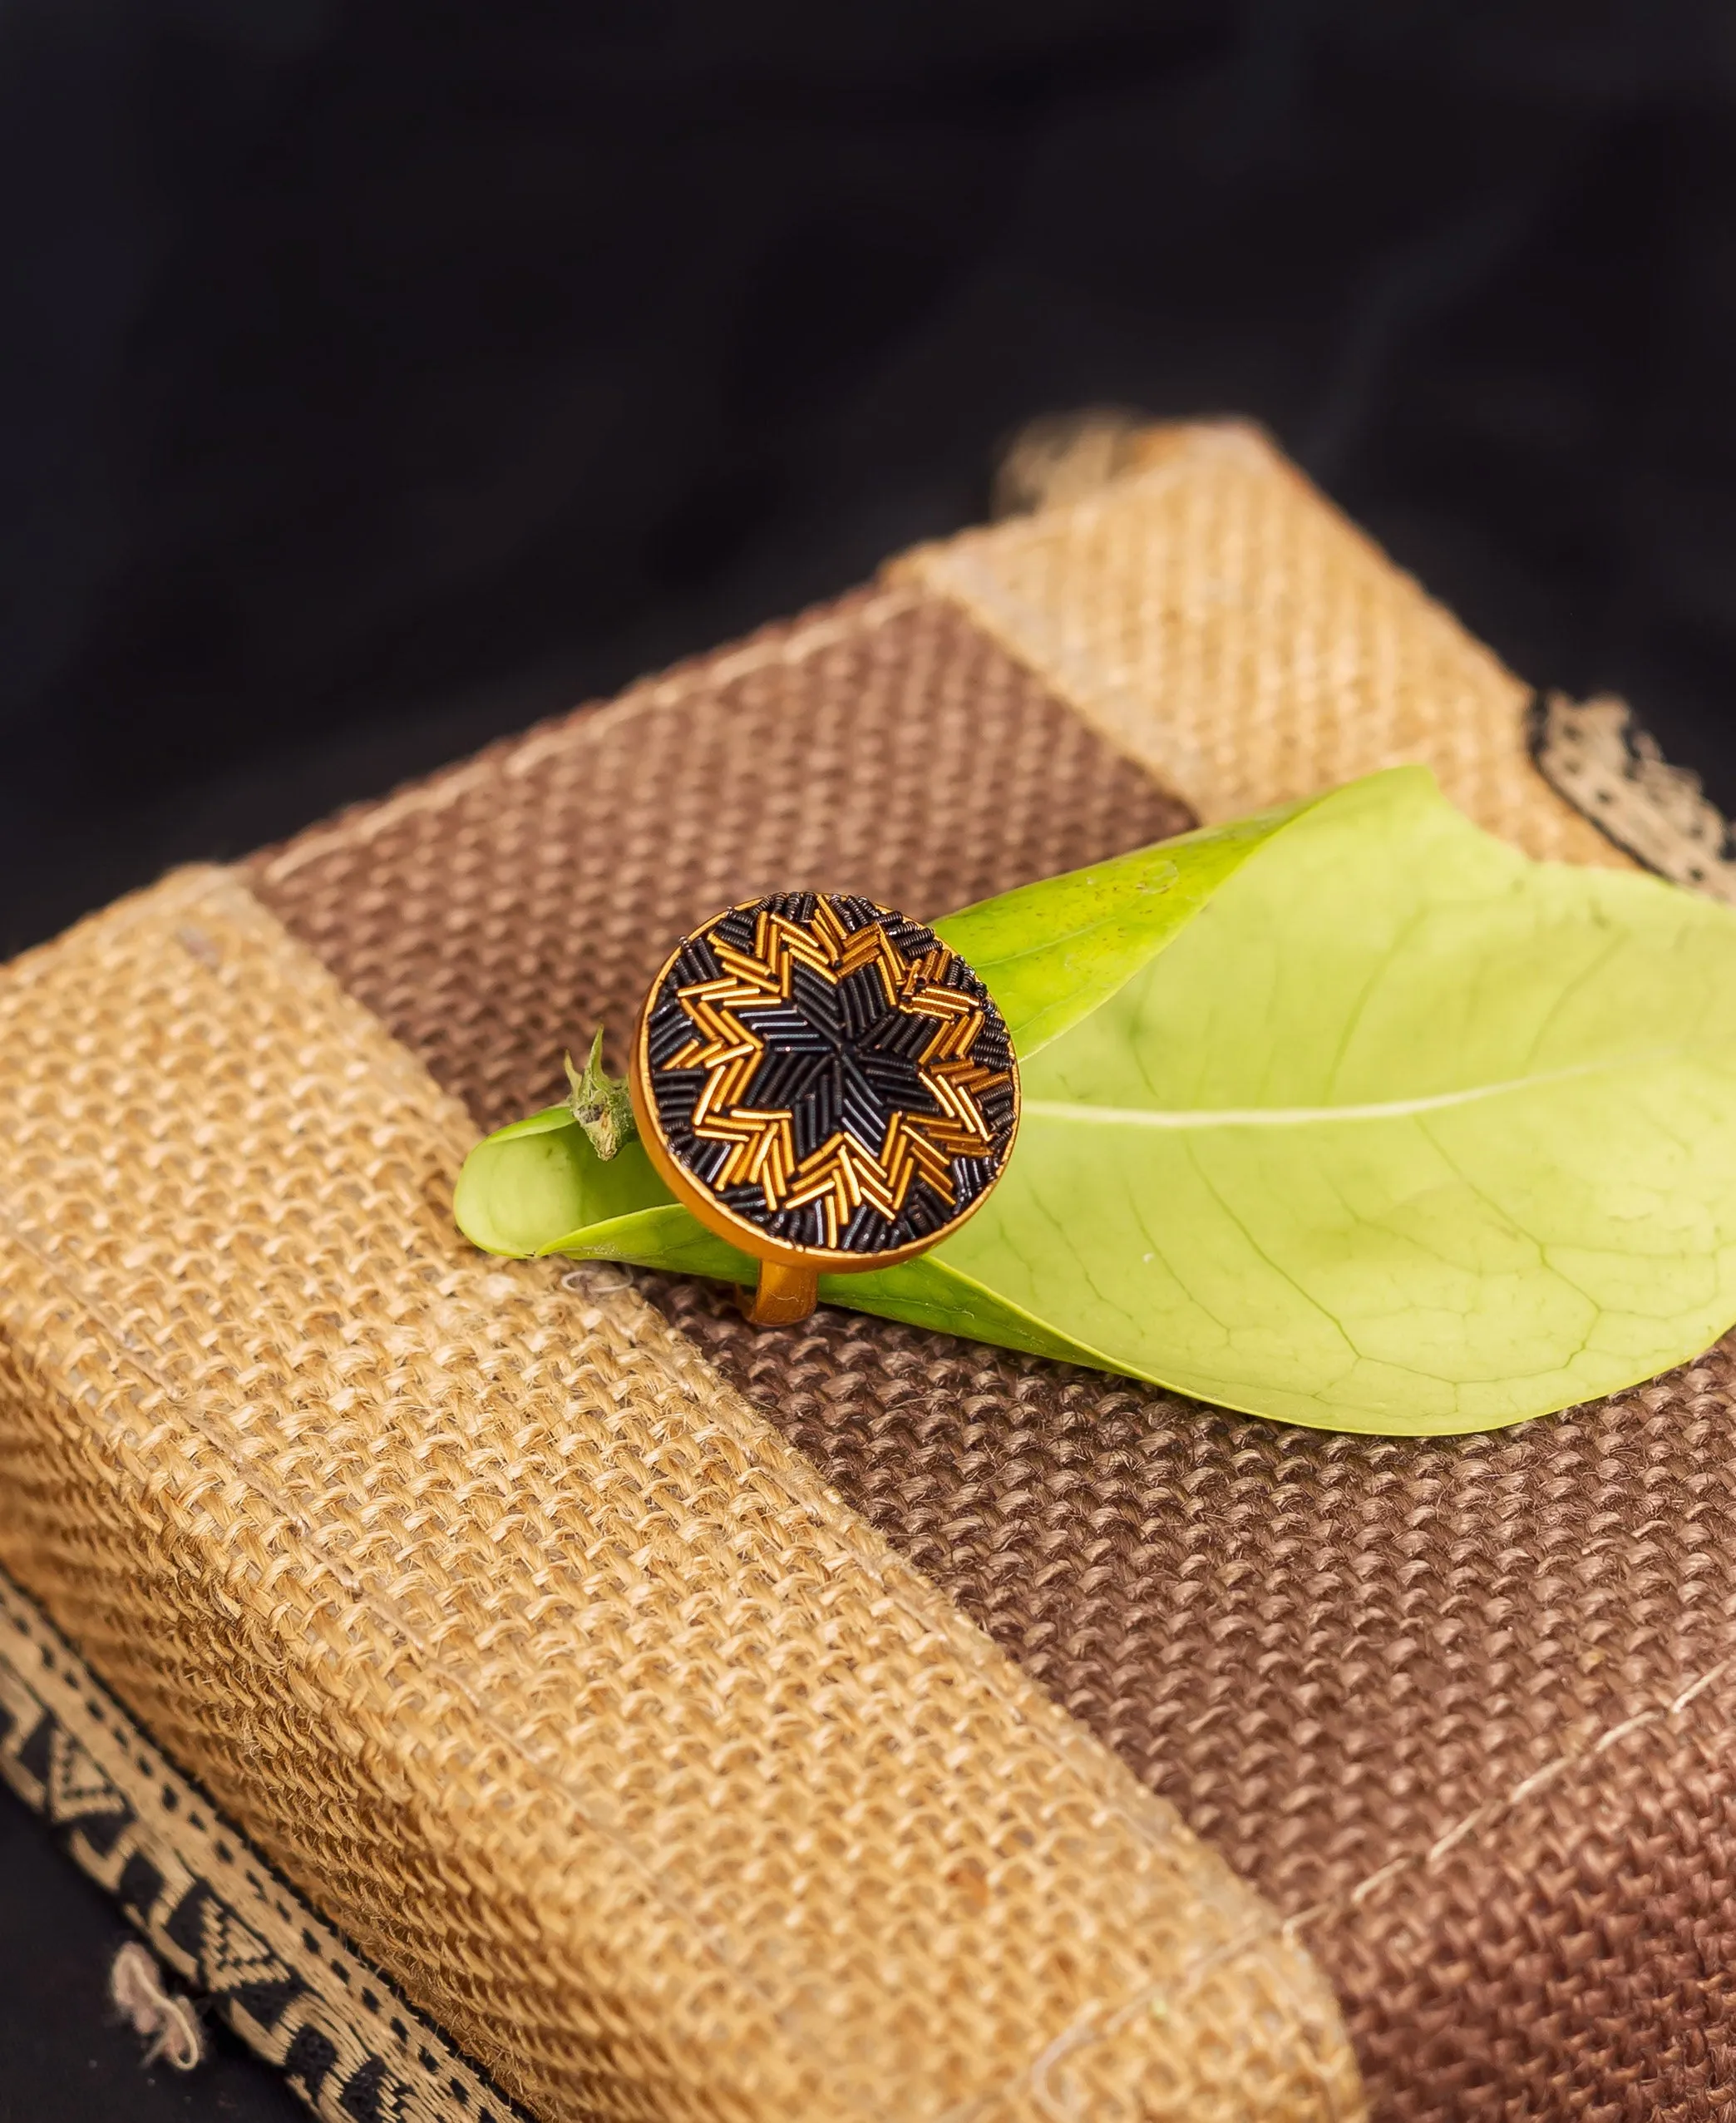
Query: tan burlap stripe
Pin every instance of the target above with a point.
(1215, 618)
(241, 1939)
(518, 1640)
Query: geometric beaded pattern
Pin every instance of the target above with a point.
(831, 1072)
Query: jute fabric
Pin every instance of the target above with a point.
(1458, 1707)
(1216, 619)
(242, 1940)
(516, 1637)
(502, 911)
(1461, 1710)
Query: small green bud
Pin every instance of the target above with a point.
(600, 1103)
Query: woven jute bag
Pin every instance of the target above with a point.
(845, 1721)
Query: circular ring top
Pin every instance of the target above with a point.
(823, 1081)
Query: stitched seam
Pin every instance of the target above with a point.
(1095, 2024)
(1493, 1811)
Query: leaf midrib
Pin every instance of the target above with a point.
(1195, 1117)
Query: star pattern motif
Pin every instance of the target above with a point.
(831, 1072)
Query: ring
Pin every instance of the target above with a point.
(824, 1083)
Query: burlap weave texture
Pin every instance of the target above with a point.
(1456, 1707)
(514, 1635)
(259, 1957)
(883, 746)
(1225, 626)
(1460, 1710)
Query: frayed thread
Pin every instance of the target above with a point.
(170, 2025)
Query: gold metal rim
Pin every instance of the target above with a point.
(716, 1216)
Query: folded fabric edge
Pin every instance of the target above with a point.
(248, 1947)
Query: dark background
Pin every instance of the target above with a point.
(375, 378)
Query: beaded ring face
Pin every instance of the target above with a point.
(826, 1084)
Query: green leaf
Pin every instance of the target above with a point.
(1051, 953)
(663, 1236)
(527, 1185)
(1404, 1134)
(1349, 1116)
(928, 1292)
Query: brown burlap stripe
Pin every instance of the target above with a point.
(518, 1640)
(1376, 1674)
(503, 910)
(1327, 1651)
(1582, 1924)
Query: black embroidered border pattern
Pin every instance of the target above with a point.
(1611, 768)
(212, 1910)
(831, 1072)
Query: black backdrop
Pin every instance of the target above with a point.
(375, 377)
